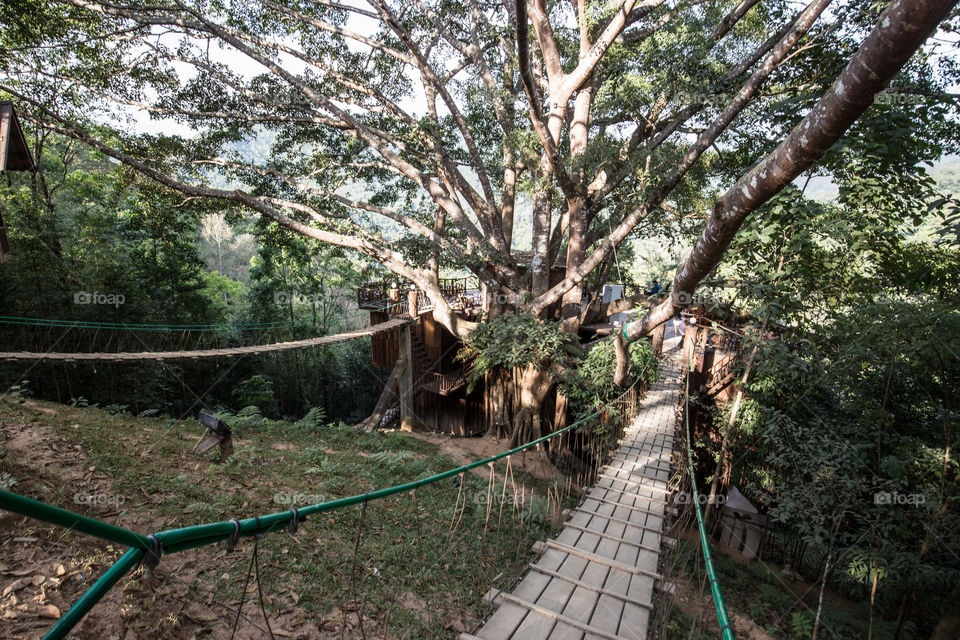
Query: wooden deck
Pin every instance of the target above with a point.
(596, 578)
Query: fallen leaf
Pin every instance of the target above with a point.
(201, 618)
(15, 585)
(49, 611)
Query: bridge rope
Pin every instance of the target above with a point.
(213, 326)
(94, 324)
(148, 550)
(726, 630)
(206, 353)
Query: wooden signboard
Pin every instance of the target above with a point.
(218, 433)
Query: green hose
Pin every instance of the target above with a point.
(70, 520)
(92, 596)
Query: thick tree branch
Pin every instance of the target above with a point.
(902, 29)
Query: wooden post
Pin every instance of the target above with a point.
(412, 299)
(394, 296)
(406, 380)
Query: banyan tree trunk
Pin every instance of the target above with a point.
(499, 390)
(532, 385)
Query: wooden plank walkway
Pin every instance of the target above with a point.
(596, 578)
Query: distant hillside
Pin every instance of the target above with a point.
(946, 172)
(947, 175)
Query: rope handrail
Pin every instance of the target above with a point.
(133, 326)
(206, 353)
(181, 539)
(726, 630)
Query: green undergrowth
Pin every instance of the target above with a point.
(413, 571)
(778, 606)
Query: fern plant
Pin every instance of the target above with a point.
(316, 417)
(801, 625)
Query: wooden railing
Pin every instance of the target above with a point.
(721, 348)
(445, 383)
(376, 295)
(725, 341)
(370, 293)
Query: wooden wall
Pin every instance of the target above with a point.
(431, 333)
(385, 347)
(457, 415)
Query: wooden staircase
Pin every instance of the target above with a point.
(425, 375)
(721, 377)
(444, 383)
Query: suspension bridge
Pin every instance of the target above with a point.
(127, 356)
(596, 579)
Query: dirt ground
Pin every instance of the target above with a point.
(467, 450)
(45, 569)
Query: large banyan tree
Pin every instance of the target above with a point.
(429, 135)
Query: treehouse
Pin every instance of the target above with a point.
(14, 156)
(715, 352)
(439, 399)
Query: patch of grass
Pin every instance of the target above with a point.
(679, 626)
(408, 550)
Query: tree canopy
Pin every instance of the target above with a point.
(425, 134)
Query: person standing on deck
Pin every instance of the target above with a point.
(680, 329)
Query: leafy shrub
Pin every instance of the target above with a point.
(515, 340)
(257, 390)
(589, 385)
(20, 391)
(117, 409)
